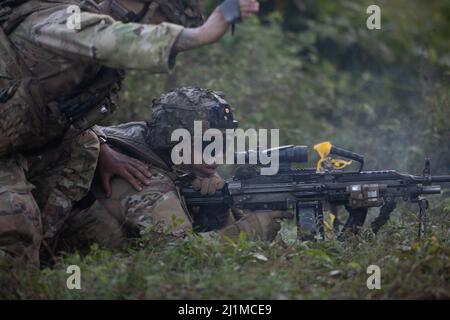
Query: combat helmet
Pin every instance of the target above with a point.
(178, 109)
(183, 12)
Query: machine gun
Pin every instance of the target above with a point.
(306, 191)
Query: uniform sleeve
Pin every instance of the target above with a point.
(101, 39)
(99, 131)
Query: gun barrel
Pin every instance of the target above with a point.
(440, 179)
(298, 154)
(286, 154)
(431, 190)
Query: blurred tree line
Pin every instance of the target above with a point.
(312, 69)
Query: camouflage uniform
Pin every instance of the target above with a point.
(35, 91)
(39, 107)
(20, 225)
(53, 181)
(128, 214)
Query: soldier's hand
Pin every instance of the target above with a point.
(248, 8)
(258, 225)
(112, 163)
(235, 10)
(208, 185)
(230, 11)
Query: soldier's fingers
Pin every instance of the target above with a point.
(143, 168)
(131, 180)
(247, 14)
(247, 2)
(139, 176)
(249, 7)
(106, 183)
(213, 186)
(205, 186)
(196, 184)
(220, 183)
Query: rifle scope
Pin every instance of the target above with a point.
(286, 154)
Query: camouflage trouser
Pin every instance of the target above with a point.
(61, 176)
(128, 213)
(20, 221)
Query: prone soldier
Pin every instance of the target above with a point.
(159, 207)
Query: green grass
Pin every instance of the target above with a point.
(195, 268)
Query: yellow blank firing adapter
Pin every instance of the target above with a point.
(327, 163)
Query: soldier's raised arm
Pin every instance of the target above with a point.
(230, 11)
(110, 39)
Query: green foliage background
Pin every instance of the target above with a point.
(313, 69)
